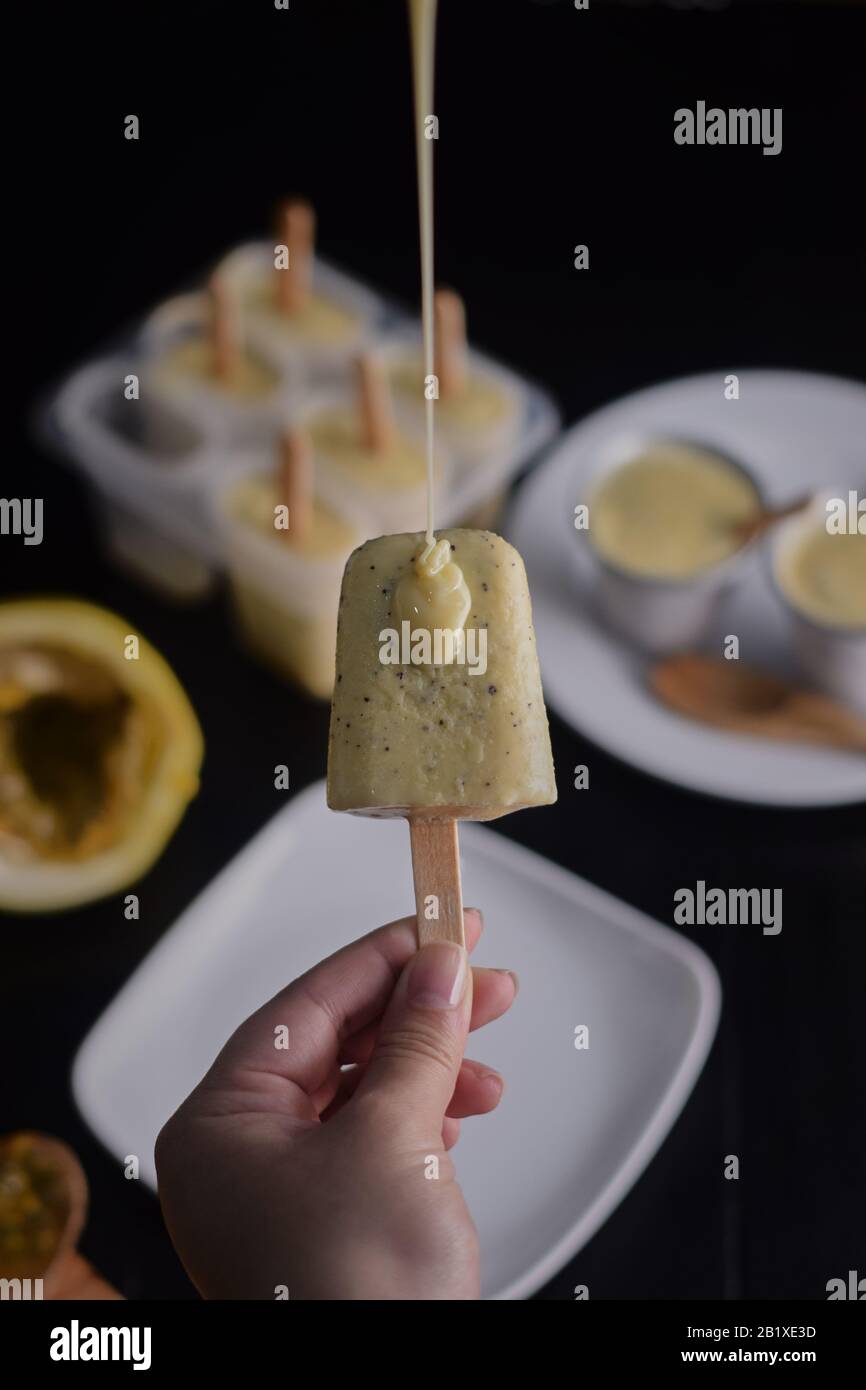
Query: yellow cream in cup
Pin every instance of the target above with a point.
(671, 512)
(824, 576)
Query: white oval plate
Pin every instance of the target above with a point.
(575, 1128)
(797, 432)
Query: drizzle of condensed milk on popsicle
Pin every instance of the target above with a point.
(435, 852)
(422, 20)
(424, 777)
(435, 595)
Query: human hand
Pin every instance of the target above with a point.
(281, 1170)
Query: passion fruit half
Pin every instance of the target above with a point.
(43, 1203)
(100, 752)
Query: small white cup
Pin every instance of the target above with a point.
(662, 614)
(834, 658)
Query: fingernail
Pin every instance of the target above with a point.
(437, 977)
(478, 913)
(515, 980)
(498, 1082)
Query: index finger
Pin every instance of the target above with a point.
(332, 1001)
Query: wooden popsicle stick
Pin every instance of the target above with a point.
(223, 327)
(450, 343)
(295, 482)
(436, 872)
(297, 231)
(375, 403)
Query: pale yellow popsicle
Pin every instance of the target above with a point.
(286, 598)
(399, 467)
(319, 321)
(482, 405)
(192, 361)
(466, 739)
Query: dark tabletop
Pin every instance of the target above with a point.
(556, 129)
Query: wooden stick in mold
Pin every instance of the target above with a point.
(450, 342)
(295, 482)
(374, 402)
(223, 326)
(297, 231)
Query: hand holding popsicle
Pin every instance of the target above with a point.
(283, 1168)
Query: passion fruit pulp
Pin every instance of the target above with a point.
(43, 1199)
(100, 752)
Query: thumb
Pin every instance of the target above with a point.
(419, 1047)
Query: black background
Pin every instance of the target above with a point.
(556, 128)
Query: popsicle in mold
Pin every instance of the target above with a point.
(284, 551)
(366, 461)
(290, 313)
(200, 367)
(480, 409)
(437, 740)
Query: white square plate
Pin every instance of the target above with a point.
(575, 1128)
